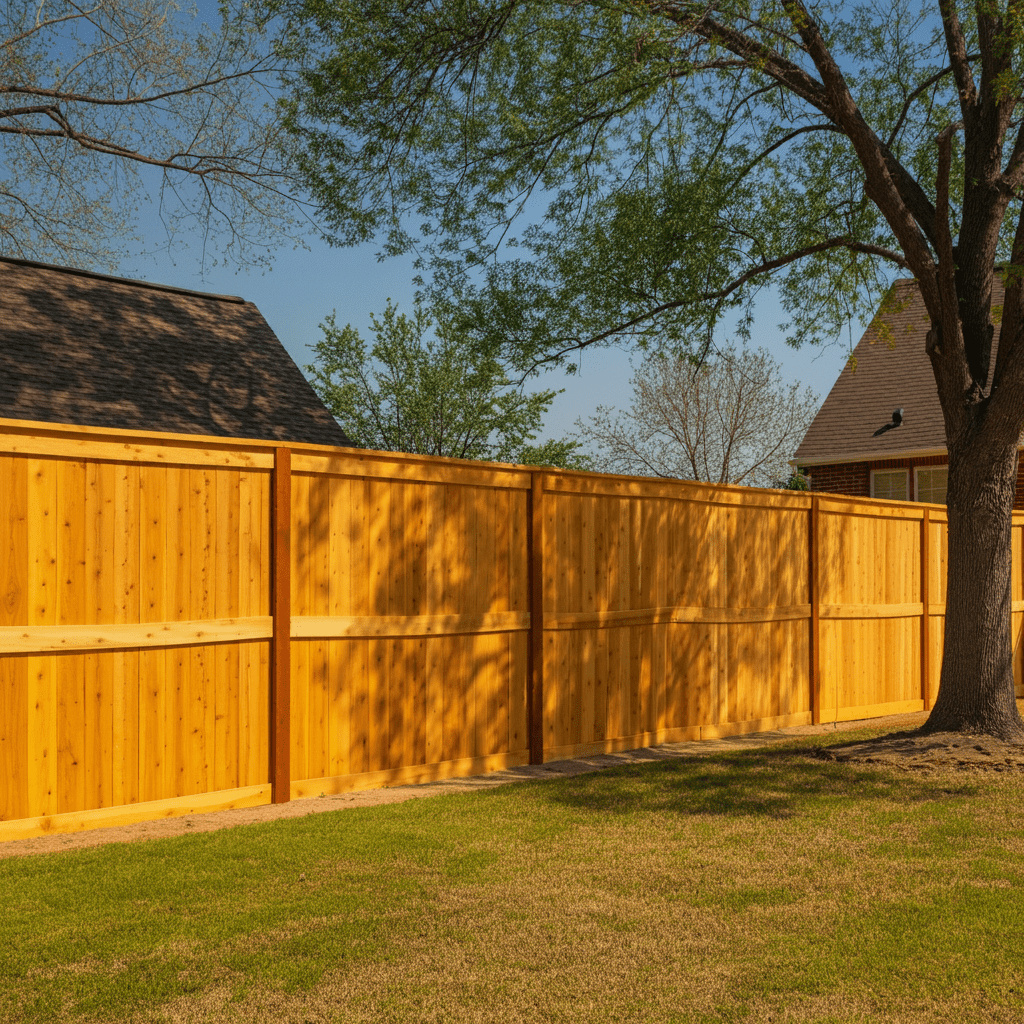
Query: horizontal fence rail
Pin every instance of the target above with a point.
(191, 624)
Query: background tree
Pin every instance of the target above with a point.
(104, 104)
(729, 419)
(430, 396)
(688, 154)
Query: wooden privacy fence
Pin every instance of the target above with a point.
(193, 623)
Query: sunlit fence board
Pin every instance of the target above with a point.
(708, 587)
(100, 549)
(370, 554)
(137, 638)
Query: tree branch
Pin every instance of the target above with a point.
(876, 161)
(895, 191)
(957, 49)
(761, 269)
(781, 142)
(927, 84)
(39, 26)
(100, 101)
(754, 54)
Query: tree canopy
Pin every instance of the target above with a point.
(107, 106)
(685, 154)
(430, 396)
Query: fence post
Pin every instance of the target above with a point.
(535, 660)
(815, 587)
(281, 599)
(925, 620)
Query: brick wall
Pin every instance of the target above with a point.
(855, 477)
(844, 478)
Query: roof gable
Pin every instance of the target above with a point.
(93, 350)
(889, 369)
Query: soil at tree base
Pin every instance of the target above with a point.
(937, 750)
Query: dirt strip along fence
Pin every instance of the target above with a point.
(192, 624)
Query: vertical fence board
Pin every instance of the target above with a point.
(415, 746)
(398, 684)
(250, 567)
(72, 721)
(318, 750)
(104, 678)
(279, 747)
(623, 602)
(153, 565)
(178, 661)
(377, 578)
(815, 561)
(339, 602)
(126, 579)
(487, 653)
(228, 691)
(201, 696)
(434, 604)
(300, 670)
(359, 701)
(24, 731)
(32, 598)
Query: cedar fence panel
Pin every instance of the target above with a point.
(871, 609)
(409, 622)
(698, 627)
(167, 645)
(114, 572)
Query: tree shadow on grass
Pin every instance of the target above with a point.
(774, 783)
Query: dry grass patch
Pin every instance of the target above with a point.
(752, 886)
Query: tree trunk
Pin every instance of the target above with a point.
(976, 690)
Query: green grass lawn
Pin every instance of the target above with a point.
(757, 885)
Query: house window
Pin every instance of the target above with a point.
(889, 483)
(931, 484)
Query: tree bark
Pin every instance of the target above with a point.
(976, 690)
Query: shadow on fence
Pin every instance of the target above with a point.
(185, 627)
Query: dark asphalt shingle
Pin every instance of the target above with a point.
(92, 350)
(891, 371)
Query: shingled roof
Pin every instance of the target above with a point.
(890, 370)
(93, 350)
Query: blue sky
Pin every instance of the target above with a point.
(305, 286)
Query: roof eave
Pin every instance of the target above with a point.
(836, 460)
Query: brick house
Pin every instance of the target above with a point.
(94, 350)
(889, 370)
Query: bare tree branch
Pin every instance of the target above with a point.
(729, 420)
(99, 105)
